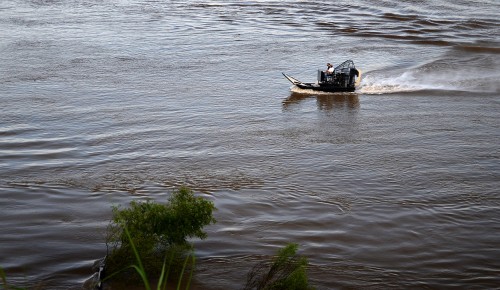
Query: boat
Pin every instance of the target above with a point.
(345, 78)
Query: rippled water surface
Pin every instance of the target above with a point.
(394, 186)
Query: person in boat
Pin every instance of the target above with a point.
(329, 69)
(327, 75)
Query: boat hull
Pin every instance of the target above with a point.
(323, 87)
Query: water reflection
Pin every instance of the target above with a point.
(326, 102)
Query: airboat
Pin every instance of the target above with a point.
(345, 78)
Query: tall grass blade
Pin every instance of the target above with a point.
(191, 274)
(162, 282)
(140, 269)
(4, 279)
(4, 282)
(182, 272)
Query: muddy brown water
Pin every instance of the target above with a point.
(394, 186)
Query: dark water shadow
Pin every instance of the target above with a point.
(324, 101)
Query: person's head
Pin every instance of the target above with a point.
(329, 65)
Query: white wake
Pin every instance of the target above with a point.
(425, 79)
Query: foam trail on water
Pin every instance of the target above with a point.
(379, 84)
(432, 77)
(417, 80)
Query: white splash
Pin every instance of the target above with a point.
(426, 78)
(298, 90)
(405, 82)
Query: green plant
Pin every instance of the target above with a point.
(4, 284)
(165, 270)
(286, 271)
(154, 231)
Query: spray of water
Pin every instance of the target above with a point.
(381, 84)
(432, 77)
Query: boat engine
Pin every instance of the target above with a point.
(344, 75)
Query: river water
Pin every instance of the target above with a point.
(395, 186)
